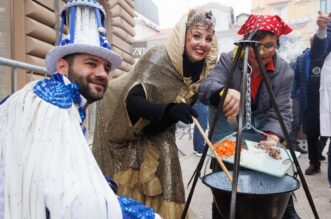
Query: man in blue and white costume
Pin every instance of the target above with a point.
(47, 168)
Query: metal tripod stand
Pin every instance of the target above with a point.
(247, 44)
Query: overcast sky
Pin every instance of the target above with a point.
(171, 10)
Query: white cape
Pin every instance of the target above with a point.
(47, 163)
(325, 98)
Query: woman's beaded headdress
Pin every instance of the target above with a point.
(201, 17)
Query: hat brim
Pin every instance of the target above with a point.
(60, 51)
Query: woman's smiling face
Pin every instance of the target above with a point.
(198, 42)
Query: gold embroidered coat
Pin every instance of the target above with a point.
(147, 168)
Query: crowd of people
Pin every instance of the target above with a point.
(310, 97)
(47, 169)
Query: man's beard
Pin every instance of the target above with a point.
(83, 87)
(90, 97)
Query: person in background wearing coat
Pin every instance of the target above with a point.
(135, 131)
(306, 86)
(296, 122)
(320, 50)
(268, 30)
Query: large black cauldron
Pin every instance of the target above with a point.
(261, 196)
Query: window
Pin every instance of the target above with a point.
(325, 6)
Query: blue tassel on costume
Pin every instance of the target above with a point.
(132, 209)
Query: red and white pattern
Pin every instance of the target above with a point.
(272, 23)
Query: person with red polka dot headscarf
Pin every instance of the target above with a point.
(266, 30)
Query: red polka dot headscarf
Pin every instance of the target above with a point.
(272, 23)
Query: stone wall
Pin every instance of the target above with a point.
(121, 20)
(35, 32)
(5, 48)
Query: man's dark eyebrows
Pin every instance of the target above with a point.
(89, 58)
(93, 59)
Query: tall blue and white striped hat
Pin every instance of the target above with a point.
(85, 20)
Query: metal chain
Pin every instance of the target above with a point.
(248, 102)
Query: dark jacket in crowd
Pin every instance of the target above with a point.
(307, 67)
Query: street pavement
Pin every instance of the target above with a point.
(200, 207)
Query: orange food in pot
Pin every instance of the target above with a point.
(225, 148)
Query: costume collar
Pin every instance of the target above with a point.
(83, 100)
(56, 92)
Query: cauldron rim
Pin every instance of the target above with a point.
(259, 194)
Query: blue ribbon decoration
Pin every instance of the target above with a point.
(75, 94)
(102, 37)
(61, 28)
(65, 42)
(72, 23)
(97, 14)
(55, 92)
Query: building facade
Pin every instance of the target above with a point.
(147, 24)
(122, 30)
(29, 29)
(326, 6)
(224, 30)
(224, 25)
